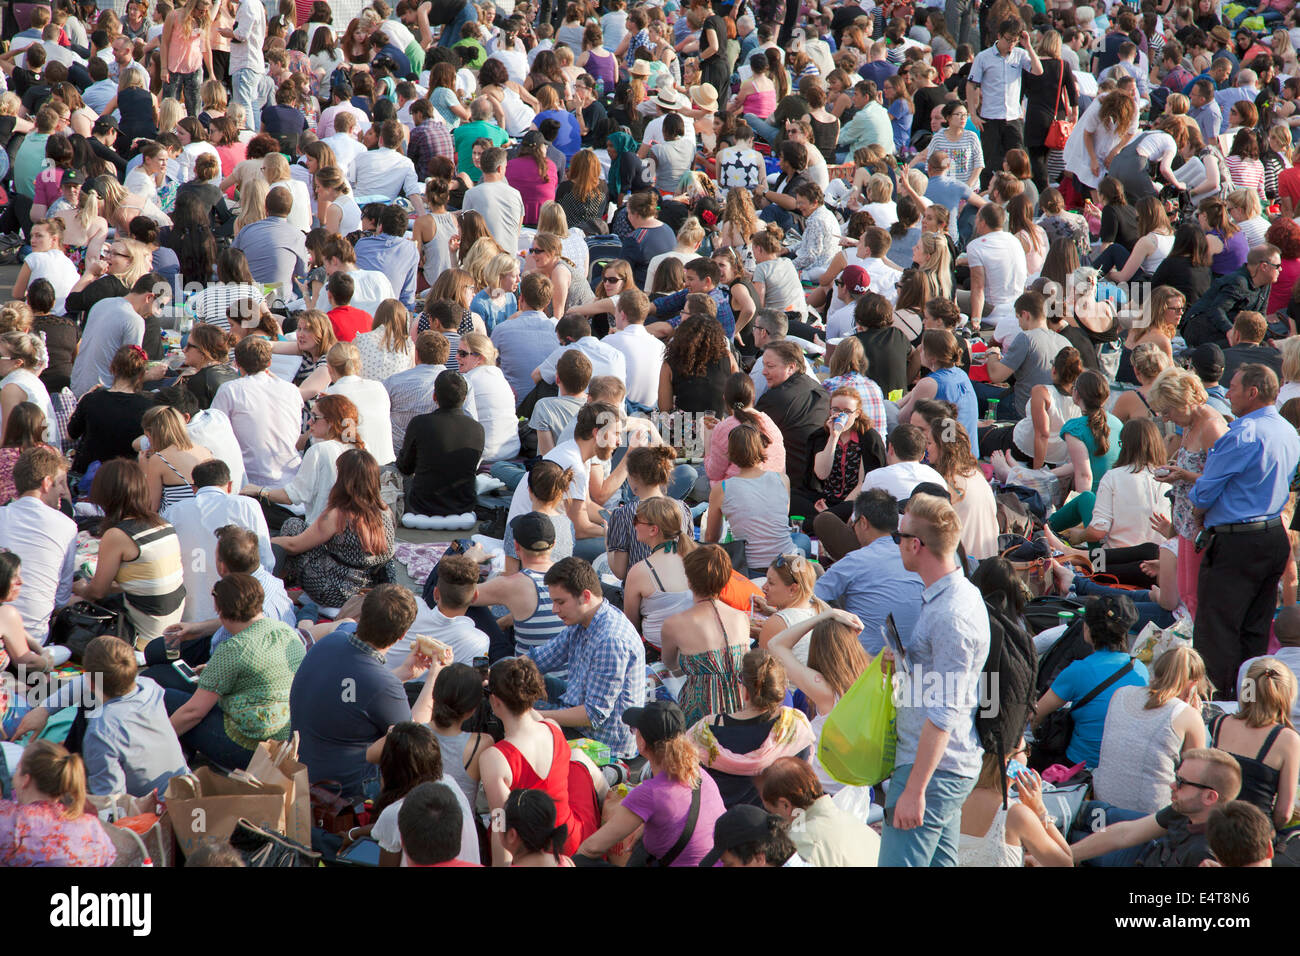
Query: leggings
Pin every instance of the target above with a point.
(1076, 511)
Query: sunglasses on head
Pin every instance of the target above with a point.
(795, 562)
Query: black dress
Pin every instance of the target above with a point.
(1042, 106)
(136, 107)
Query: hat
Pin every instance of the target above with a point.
(105, 123)
(855, 279)
(73, 177)
(741, 824)
(668, 99)
(1221, 34)
(657, 720)
(533, 531)
(925, 488)
(705, 96)
(1207, 361)
(532, 138)
(639, 68)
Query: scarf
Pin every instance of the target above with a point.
(622, 143)
(791, 734)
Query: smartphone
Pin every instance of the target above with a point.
(481, 665)
(186, 671)
(1015, 768)
(364, 852)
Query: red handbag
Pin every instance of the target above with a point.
(1060, 129)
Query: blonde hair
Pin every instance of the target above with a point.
(166, 429)
(879, 188)
(132, 80)
(252, 203)
(677, 755)
(392, 317)
(480, 345)
(318, 324)
(275, 167)
(141, 261)
(15, 316)
(1246, 200)
(27, 347)
(944, 527)
(499, 265)
(1267, 694)
(344, 358)
(475, 261)
(170, 112)
(1176, 388)
(665, 515)
(9, 104)
(1171, 673)
(1149, 360)
(691, 233)
(803, 580)
(1290, 349)
(551, 218)
(57, 774)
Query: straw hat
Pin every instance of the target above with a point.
(705, 97)
(640, 68)
(669, 99)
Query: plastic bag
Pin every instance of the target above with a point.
(859, 737)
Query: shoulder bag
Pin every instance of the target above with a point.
(1060, 129)
(1053, 736)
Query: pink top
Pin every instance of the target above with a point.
(185, 52)
(760, 104)
(48, 186)
(521, 173)
(38, 834)
(1280, 294)
(716, 464)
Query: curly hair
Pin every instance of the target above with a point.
(698, 343)
(1285, 234)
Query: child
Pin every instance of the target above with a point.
(498, 301)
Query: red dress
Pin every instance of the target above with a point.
(568, 784)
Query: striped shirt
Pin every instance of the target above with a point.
(154, 583)
(212, 305)
(540, 626)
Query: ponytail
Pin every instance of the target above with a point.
(57, 774)
(1093, 393)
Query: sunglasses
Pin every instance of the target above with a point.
(795, 562)
(898, 537)
(534, 251)
(313, 417)
(463, 354)
(612, 278)
(1184, 782)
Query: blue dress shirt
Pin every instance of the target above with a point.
(1248, 472)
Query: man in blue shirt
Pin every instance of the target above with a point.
(1240, 496)
(993, 93)
(871, 582)
(392, 254)
(702, 276)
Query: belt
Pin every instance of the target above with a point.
(1247, 527)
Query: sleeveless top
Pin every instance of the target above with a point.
(1258, 780)
(991, 849)
(136, 107)
(1139, 750)
(659, 605)
(36, 393)
(555, 784)
(1163, 244)
(603, 67)
(712, 679)
(453, 763)
(579, 289)
(1185, 521)
(540, 626)
(185, 53)
(701, 393)
(1234, 253)
(760, 104)
(171, 494)
(829, 783)
(756, 509)
(437, 255)
(825, 136)
(153, 584)
(1060, 411)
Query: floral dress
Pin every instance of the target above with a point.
(331, 573)
(38, 834)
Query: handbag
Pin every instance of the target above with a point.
(1052, 738)
(330, 810)
(76, 625)
(1060, 129)
(261, 847)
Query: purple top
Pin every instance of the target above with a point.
(1233, 256)
(663, 804)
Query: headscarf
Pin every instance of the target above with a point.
(623, 143)
(790, 735)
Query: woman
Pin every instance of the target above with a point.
(1032, 237)
(1092, 441)
(656, 586)
(457, 286)
(1290, 377)
(494, 400)
(1149, 360)
(252, 204)
(496, 301)
(1226, 241)
(249, 169)
(276, 170)
(211, 306)
(139, 554)
(110, 278)
(1058, 223)
(853, 448)
(941, 354)
(961, 144)
(387, 348)
(553, 220)
(545, 71)
(1051, 96)
(532, 175)
(1161, 315)
(1106, 128)
(339, 553)
(1178, 396)
(666, 804)
(47, 261)
(46, 823)
(192, 241)
(107, 420)
(533, 755)
(994, 833)
(1036, 439)
(550, 106)
(757, 96)
(732, 277)
(1148, 729)
(1244, 208)
(24, 428)
(186, 49)
(736, 747)
(443, 96)
(336, 209)
(548, 484)
(436, 233)
(1106, 624)
(1276, 156)
(672, 157)
(650, 472)
(1158, 146)
(582, 195)
(1284, 234)
(738, 401)
(1187, 267)
(207, 352)
(776, 280)
(1157, 238)
(84, 229)
(599, 62)
(696, 366)
(231, 150)
(787, 599)
(754, 502)
(898, 103)
(1130, 506)
(886, 346)
(821, 236)
(1262, 727)
(627, 174)
(570, 288)
(706, 644)
(22, 358)
(739, 222)
(532, 838)
(170, 459)
(1243, 162)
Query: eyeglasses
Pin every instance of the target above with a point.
(464, 354)
(1184, 782)
(119, 253)
(898, 537)
(313, 417)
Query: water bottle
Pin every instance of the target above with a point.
(991, 413)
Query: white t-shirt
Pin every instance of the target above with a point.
(387, 835)
(1006, 271)
(900, 478)
(566, 455)
(459, 633)
(1125, 502)
(371, 399)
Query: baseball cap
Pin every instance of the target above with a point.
(657, 720)
(1207, 361)
(533, 531)
(104, 124)
(73, 177)
(855, 279)
(739, 825)
(925, 488)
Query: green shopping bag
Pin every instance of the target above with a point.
(1231, 10)
(859, 736)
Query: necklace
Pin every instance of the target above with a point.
(668, 546)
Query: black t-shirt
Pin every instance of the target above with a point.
(843, 18)
(741, 736)
(283, 120)
(61, 343)
(1183, 844)
(924, 102)
(719, 28)
(25, 79)
(593, 114)
(887, 350)
(105, 424)
(34, 97)
(1119, 224)
(442, 12)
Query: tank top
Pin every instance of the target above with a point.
(185, 53)
(1258, 780)
(437, 254)
(825, 136)
(136, 107)
(555, 784)
(603, 67)
(153, 584)
(171, 494)
(756, 509)
(453, 763)
(540, 626)
(1139, 750)
(36, 393)
(579, 289)
(658, 606)
(991, 849)
(1060, 411)
(1163, 244)
(760, 104)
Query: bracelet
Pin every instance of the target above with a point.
(352, 831)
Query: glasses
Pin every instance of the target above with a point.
(313, 417)
(1176, 308)
(898, 537)
(461, 353)
(1184, 782)
(612, 278)
(534, 251)
(795, 562)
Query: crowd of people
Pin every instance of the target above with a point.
(859, 325)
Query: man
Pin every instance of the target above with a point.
(345, 697)
(521, 593)
(345, 145)
(215, 505)
(345, 319)
(246, 36)
(265, 413)
(391, 253)
(370, 397)
(747, 835)
(385, 172)
(431, 819)
(1030, 353)
(528, 337)
(410, 393)
(30, 157)
(32, 526)
(998, 269)
(1176, 835)
(903, 470)
(799, 407)
(603, 653)
(771, 325)
(823, 834)
(552, 415)
(1239, 834)
(102, 89)
(1242, 290)
(369, 287)
(1207, 362)
(112, 323)
(703, 277)
(1246, 345)
(481, 126)
(123, 60)
(499, 203)
(870, 125)
(445, 617)
(103, 136)
(276, 251)
(1240, 495)
(430, 137)
(1245, 87)
(870, 582)
(574, 332)
(938, 755)
(993, 92)
(441, 452)
(877, 69)
(643, 354)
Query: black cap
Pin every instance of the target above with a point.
(741, 824)
(533, 531)
(104, 124)
(1207, 361)
(657, 720)
(925, 488)
(73, 177)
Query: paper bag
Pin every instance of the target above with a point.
(145, 816)
(204, 806)
(275, 763)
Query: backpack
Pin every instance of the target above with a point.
(1069, 648)
(1041, 613)
(1006, 684)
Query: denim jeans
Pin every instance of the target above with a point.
(762, 127)
(1103, 815)
(208, 736)
(934, 842)
(244, 85)
(508, 472)
(1148, 610)
(451, 32)
(589, 549)
(186, 86)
